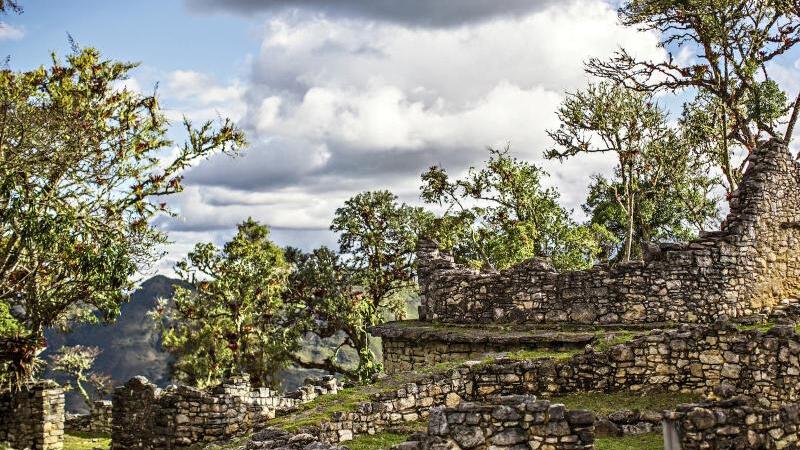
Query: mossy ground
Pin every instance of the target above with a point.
(86, 441)
(603, 404)
(376, 441)
(649, 441)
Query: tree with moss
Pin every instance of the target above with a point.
(500, 214)
(231, 319)
(76, 362)
(731, 45)
(340, 295)
(82, 173)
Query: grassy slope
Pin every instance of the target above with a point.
(86, 441)
(650, 441)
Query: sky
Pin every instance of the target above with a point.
(342, 96)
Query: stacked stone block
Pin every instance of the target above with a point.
(33, 417)
(735, 425)
(513, 422)
(746, 268)
(98, 420)
(146, 417)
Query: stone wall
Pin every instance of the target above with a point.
(411, 345)
(735, 425)
(33, 418)
(146, 417)
(692, 358)
(97, 421)
(512, 422)
(747, 267)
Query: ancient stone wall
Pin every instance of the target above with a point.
(410, 345)
(692, 358)
(33, 418)
(146, 417)
(98, 420)
(747, 267)
(508, 423)
(735, 425)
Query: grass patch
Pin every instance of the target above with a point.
(521, 355)
(323, 407)
(86, 441)
(604, 404)
(376, 441)
(605, 340)
(649, 441)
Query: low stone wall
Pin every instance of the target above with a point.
(146, 417)
(692, 358)
(411, 345)
(512, 422)
(734, 425)
(33, 418)
(97, 421)
(748, 267)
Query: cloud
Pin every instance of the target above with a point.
(426, 13)
(10, 32)
(334, 106)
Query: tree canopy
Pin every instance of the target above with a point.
(82, 171)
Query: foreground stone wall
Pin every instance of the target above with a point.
(734, 425)
(146, 417)
(98, 420)
(33, 418)
(747, 267)
(508, 423)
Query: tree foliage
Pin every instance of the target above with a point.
(232, 317)
(367, 282)
(82, 172)
(500, 214)
(659, 188)
(76, 363)
(731, 44)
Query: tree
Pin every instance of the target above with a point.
(232, 317)
(82, 172)
(673, 198)
(76, 363)
(611, 119)
(732, 44)
(10, 5)
(366, 283)
(500, 214)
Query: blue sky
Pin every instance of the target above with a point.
(337, 97)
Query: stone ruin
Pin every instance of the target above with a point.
(148, 418)
(33, 417)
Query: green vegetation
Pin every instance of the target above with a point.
(501, 214)
(520, 355)
(605, 340)
(649, 441)
(82, 174)
(367, 282)
(378, 441)
(76, 362)
(86, 441)
(232, 318)
(603, 404)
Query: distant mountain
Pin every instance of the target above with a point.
(131, 345)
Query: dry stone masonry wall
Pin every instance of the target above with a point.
(734, 425)
(146, 417)
(514, 422)
(33, 418)
(747, 267)
(98, 420)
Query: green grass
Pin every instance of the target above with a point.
(604, 404)
(521, 355)
(605, 340)
(86, 441)
(376, 441)
(649, 441)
